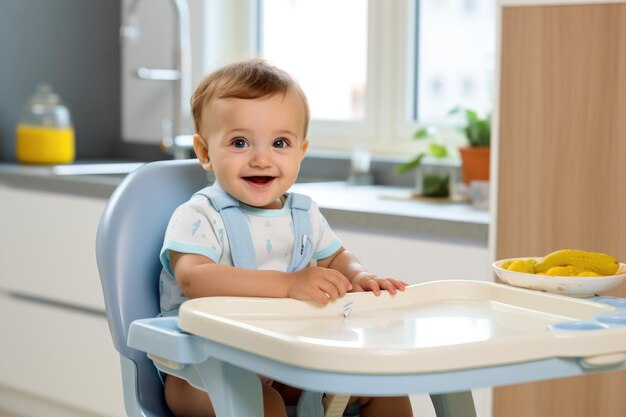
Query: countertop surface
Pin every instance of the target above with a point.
(375, 208)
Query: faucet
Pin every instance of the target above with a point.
(177, 140)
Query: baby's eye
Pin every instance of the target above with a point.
(281, 143)
(239, 143)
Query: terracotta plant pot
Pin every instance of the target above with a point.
(475, 163)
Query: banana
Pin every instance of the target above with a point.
(521, 265)
(505, 265)
(599, 263)
(565, 271)
(588, 274)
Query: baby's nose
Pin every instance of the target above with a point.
(261, 158)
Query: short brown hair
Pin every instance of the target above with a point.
(250, 79)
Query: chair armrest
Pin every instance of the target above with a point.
(161, 337)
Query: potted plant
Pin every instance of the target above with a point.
(475, 157)
(431, 180)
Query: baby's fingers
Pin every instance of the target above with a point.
(390, 285)
(320, 296)
(377, 284)
(344, 283)
(330, 289)
(400, 285)
(371, 285)
(341, 283)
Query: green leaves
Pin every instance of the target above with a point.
(424, 133)
(412, 164)
(437, 150)
(434, 149)
(477, 130)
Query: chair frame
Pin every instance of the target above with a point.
(128, 263)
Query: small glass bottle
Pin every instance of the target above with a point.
(45, 134)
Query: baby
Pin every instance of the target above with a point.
(246, 235)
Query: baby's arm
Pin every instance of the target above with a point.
(346, 263)
(199, 276)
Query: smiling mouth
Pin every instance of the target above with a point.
(259, 179)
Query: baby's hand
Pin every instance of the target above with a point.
(319, 284)
(365, 281)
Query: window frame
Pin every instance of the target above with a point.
(388, 125)
(224, 31)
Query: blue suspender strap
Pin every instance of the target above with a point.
(239, 238)
(238, 232)
(236, 225)
(303, 231)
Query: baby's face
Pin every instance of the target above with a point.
(255, 146)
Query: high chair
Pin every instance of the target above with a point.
(130, 235)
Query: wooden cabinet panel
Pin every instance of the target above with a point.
(562, 166)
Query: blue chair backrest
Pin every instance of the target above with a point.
(130, 236)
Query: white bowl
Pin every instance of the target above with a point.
(572, 286)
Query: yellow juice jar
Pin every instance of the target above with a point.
(45, 134)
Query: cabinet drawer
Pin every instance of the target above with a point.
(47, 245)
(416, 260)
(60, 354)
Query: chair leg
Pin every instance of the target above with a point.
(335, 404)
(455, 404)
(234, 392)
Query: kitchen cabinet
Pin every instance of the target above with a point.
(48, 246)
(560, 171)
(416, 259)
(60, 355)
(56, 347)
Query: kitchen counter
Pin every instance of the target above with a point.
(394, 210)
(43, 177)
(381, 208)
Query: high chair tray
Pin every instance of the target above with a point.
(432, 327)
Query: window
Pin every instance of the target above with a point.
(455, 47)
(375, 70)
(326, 51)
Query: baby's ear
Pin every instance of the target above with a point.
(201, 147)
(303, 147)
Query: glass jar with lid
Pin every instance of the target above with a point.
(45, 134)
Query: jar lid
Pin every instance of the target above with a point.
(44, 95)
(45, 108)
